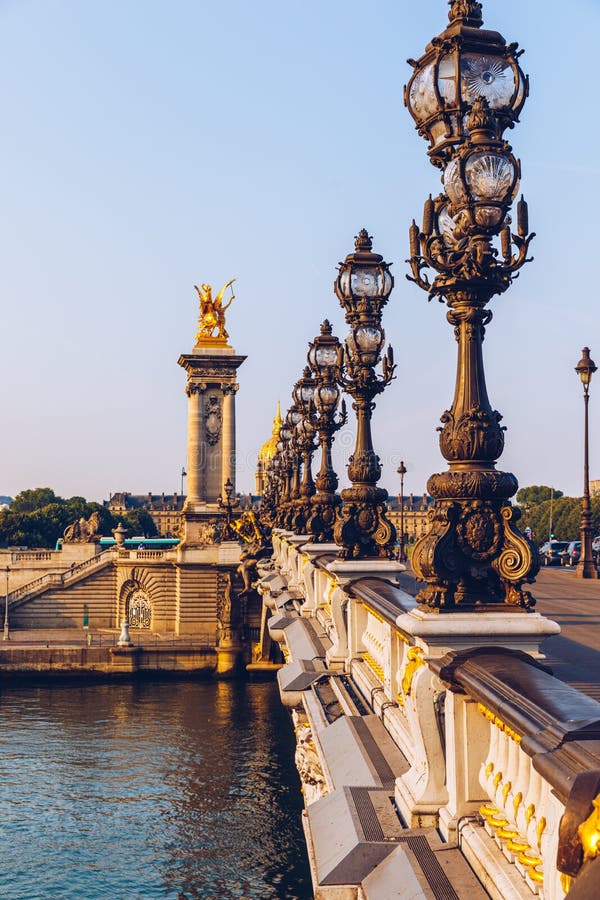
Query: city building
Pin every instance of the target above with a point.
(164, 509)
(414, 513)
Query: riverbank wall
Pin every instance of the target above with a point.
(106, 661)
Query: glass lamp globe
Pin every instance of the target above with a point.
(464, 63)
(485, 181)
(367, 341)
(326, 397)
(363, 276)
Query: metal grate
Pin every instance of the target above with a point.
(382, 767)
(432, 870)
(367, 816)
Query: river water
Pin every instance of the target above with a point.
(164, 790)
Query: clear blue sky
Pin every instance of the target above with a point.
(147, 146)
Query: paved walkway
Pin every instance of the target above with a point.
(573, 655)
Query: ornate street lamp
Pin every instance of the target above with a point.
(363, 287)
(285, 473)
(585, 368)
(401, 470)
(470, 88)
(269, 500)
(230, 502)
(323, 358)
(6, 631)
(464, 63)
(303, 394)
(295, 456)
(292, 462)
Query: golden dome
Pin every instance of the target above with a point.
(269, 448)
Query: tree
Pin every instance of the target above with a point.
(139, 522)
(566, 519)
(38, 518)
(538, 493)
(30, 500)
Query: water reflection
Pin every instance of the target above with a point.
(149, 790)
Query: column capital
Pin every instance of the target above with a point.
(193, 387)
(230, 388)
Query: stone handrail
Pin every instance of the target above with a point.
(149, 554)
(55, 578)
(32, 556)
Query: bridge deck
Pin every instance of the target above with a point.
(574, 603)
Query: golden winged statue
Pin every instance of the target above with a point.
(211, 324)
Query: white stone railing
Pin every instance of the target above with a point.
(523, 814)
(491, 764)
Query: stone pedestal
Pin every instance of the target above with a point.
(438, 633)
(346, 570)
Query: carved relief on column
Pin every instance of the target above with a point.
(228, 460)
(213, 420)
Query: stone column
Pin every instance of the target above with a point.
(228, 446)
(195, 487)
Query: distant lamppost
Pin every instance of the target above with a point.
(323, 358)
(363, 287)
(229, 503)
(285, 469)
(585, 368)
(401, 470)
(291, 467)
(6, 633)
(464, 92)
(303, 393)
(527, 511)
(183, 475)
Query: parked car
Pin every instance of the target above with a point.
(570, 556)
(551, 552)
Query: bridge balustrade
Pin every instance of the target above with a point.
(504, 757)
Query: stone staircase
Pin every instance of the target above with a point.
(60, 598)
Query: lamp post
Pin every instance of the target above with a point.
(401, 470)
(363, 287)
(229, 503)
(6, 632)
(289, 458)
(183, 475)
(465, 91)
(303, 394)
(323, 358)
(585, 368)
(292, 418)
